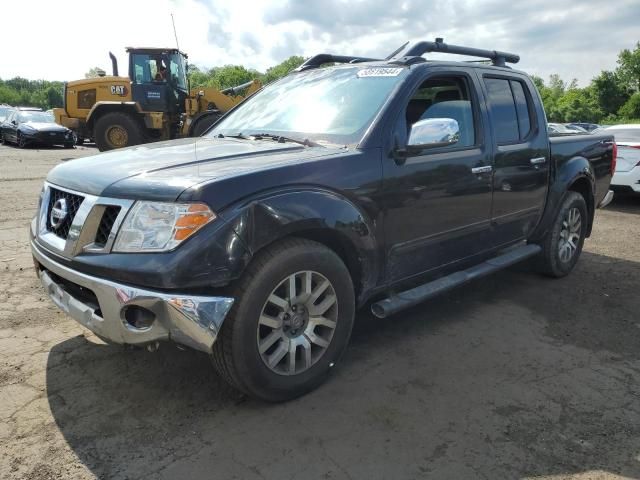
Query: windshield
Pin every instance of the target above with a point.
(625, 134)
(334, 105)
(34, 117)
(153, 68)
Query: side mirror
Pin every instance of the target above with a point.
(14, 122)
(432, 133)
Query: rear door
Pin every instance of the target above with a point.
(521, 156)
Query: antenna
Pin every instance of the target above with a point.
(174, 32)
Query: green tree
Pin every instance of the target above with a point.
(631, 109)
(609, 91)
(231, 76)
(197, 77)
(579, 104)
(282, 69)
(629, 67)
(93, 72)
(551, 95)
(9, 95)
(54, 97)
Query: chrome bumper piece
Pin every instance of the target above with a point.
(190, 320)
(607, 199)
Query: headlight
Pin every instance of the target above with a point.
(27, 129)
(159, 227)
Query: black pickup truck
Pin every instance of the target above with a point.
(349, 182)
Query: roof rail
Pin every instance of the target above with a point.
(406, 54)
(322, 58)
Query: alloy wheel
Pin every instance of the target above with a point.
(297, 323)
(570, 235)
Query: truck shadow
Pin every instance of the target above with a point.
(513, 376)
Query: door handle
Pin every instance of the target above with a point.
(479, 170)
(538, 160)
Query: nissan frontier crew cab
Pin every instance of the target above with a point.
(351, 182)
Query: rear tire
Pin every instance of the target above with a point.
(562, 245)
(117, 130)
(310, 330)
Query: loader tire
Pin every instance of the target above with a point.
(117, 130)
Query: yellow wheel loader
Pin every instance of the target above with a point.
(153, 103)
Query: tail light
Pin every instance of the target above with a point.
(614, 158)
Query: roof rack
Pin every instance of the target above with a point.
(407, 54)
(322, 58)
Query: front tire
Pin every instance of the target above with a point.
(562, 245)
(204, 123)
(117, 130)
(290, 323)
(20, 141)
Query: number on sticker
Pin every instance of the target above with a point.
(379, 72)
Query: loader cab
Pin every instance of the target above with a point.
(158, 79)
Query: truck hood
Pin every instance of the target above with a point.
(163, 170)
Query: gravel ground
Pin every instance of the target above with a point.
(516, 376)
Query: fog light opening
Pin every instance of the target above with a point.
(137, 317)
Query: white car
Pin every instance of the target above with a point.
(627, 175)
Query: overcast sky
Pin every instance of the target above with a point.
(62, 39)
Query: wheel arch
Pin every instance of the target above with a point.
(321, 216)
(584, 187)
(101, 108)
(574, 174)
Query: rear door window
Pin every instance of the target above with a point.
(522, 109)
(510, 110)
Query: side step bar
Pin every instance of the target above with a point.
(409, 298)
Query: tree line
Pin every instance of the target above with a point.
(611, 97)
(31, 93)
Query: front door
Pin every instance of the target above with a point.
(150, 88)
(521, 165)
(438, 202)
(11, 127)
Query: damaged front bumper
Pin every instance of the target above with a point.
(124, 314)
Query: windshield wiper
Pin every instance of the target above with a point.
(276, 138)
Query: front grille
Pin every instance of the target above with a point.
(73, 203)
(52, 136)
(106, 224)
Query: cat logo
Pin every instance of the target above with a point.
(120, 90)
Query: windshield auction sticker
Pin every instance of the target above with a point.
(379, 72)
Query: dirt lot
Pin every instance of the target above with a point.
(516, 376)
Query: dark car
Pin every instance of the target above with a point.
(27, 126)
(351, 182)
(589, 127)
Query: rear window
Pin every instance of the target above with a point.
(625, 134)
